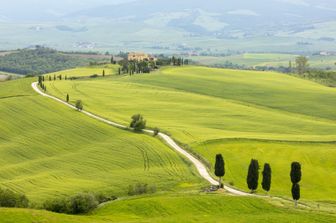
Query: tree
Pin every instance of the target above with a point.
(54, 77)
(253, 175)
(40, 80)
(112, 60)
(301, 64)
(267, 177)
(295, 173)
(296, 193)
(220, 169)
(67, 98)
(103, 73)
(79, 105)
(49, 78)
(138, 123)
(119, 71)
(295, 176)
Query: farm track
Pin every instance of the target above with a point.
(201, 168)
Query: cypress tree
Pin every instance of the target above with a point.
(267, 177)
(119, 71)
(220, 169)
(296, 193)
(54, 77)
(295, 176)
(67, 98)
(49, 78)
(40, 80)
(295, 173)
(253, 175)
(103, 73)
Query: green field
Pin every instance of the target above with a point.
(198, 105)
(266, 59)
(177, 208)
(88, 71)
(48, 150)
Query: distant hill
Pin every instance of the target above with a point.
(174, 26)
(39, 61)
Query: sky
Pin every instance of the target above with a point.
(58, 6)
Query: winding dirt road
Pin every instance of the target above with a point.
(198, 164)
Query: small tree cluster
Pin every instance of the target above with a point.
(136, 67)
(138, 123)
(179, 61)
(78, 204)
(9, 199)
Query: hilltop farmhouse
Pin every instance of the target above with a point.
(135, 56)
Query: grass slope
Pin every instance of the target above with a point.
(198, 104)
(174, 208)
(48, 150)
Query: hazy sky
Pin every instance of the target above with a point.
(57, 6)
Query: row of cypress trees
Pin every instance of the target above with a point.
(252, 179)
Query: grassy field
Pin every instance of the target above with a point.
(266, 59)
(173, 208)
(48, 150)
(317, 159)
(88, 71)
(198, 105)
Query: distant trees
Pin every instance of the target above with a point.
(301, 64)
(220, 169)
(138, 123)
(295, 176)
(253, 175)
(39, 61)
(79, 105)
(178, 61)
(267, 177)
(40, 80)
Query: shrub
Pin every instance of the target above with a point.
(141, 188)
(138, 123)
(58, 206)
(156, 131)
(94, 76)
(78, 204)
(102, 198)
(82, 203)
(79, 105)
(9, 198)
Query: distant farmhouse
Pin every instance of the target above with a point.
(140, 57)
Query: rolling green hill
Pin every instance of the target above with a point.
(198, 105)
(176, 208)
(48, 150)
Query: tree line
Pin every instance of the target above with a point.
(39, 61)
(252, 178)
